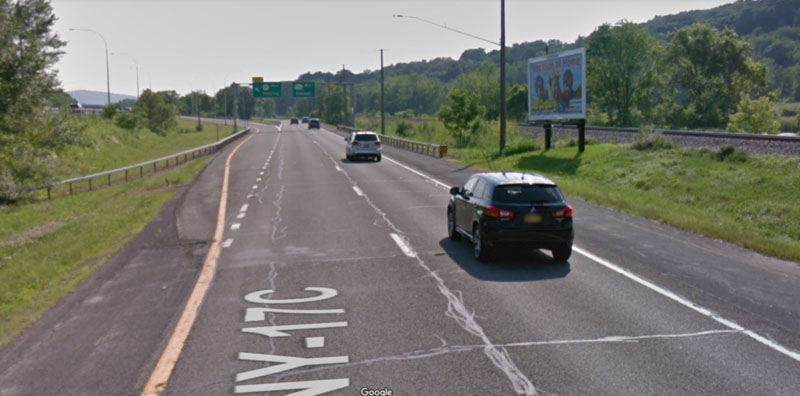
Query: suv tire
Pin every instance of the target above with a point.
(451, 226)
(562, 254)
(480, 249)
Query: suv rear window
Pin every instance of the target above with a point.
(366, 137)
(526, 193)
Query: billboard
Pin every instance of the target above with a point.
(557, 86)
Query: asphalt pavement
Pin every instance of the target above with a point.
(337, 277)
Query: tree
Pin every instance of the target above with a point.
(159, 114)
(462, 115)
(712, 68)
(758, 115)
(518, 102)
(622, 71)
(30, 135)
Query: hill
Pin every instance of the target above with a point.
(98, 98)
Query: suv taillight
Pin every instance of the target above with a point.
(501, 213)
(377, 143)
(566, 212)
(355, 143)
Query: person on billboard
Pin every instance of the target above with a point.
(555, 91)
(567, 93)
(541, 93)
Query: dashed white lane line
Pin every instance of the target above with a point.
(227, 243)
(258, 179)
(255, 186)
(244, 208)
(235, 226)
(261, 173)
(403, 245)
(250, 196)
(358, 191)
(241, 215)
(315, 342)
(683, 301)
(667, 293)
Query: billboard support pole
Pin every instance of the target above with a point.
(581, 135)
(548, 135)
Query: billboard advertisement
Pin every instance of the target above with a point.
(557, 86)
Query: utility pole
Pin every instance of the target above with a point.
(225, 102)
(197, 109)
(383, 123)
(502, 75)
(235, 104)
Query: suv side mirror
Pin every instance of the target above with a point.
(345, 139)
(454, 190)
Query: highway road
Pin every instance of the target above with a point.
(337, 277)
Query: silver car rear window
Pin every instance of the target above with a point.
(366, 137)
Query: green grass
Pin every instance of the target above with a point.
(747, 200)
(47, 247)
(50, 246)
(107, 146)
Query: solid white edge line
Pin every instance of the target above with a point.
(726, 322)
(358, 191)
(683, 301)
(403, 245)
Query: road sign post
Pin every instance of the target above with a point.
(303, 89)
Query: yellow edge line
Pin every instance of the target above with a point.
(172, 351)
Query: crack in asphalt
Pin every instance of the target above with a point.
(456, 309)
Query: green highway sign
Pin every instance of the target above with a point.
(303, 89)
(266, 89)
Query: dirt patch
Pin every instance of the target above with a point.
(31, 234)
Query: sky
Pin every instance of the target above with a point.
(188, 45)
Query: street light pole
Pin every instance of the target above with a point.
(502, 45)
(502, 75)
(383, 124)
(108, 75)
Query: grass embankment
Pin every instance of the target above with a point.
(789, 113)
(47, 247)
(748, 200)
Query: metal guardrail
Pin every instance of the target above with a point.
(412, 145)
(195, 152)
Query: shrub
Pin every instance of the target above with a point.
(403, 128)
(729, 153)
(647, 140)
(128, 120)
(757, 115)
(198, 127)
(109, 110)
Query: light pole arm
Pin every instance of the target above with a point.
(446, 27)
(108, 76)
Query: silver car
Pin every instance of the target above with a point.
(363, 144)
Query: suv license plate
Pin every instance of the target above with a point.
(533, 218)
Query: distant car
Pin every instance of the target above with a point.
(363, 144)
(76, 108)
(304, 120)
(510, 209)
(293, 121)
(313, 123)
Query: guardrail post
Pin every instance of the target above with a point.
(70, 188)
(48, 192)
(167, 162)
(109, 179)
(154, 167)
(581, 135)
(141, 171)
(90, 184)
(126, 175)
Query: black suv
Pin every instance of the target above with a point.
(511, 209)
(313, 123)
